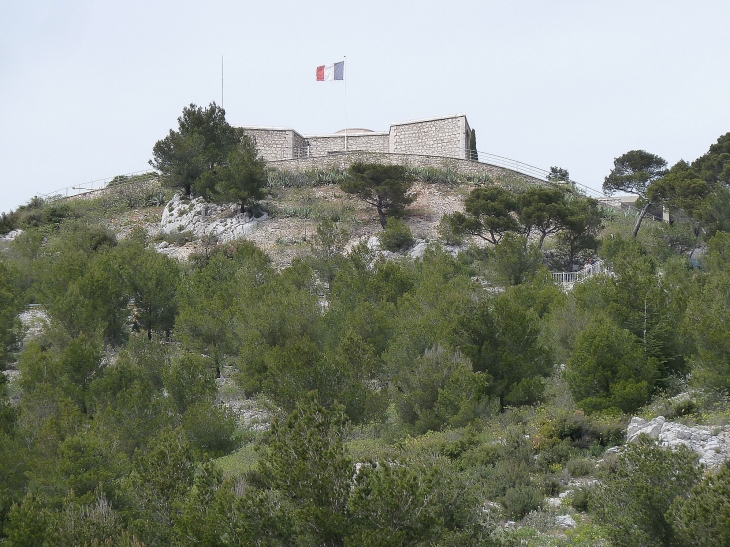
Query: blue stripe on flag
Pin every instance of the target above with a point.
(340, 70)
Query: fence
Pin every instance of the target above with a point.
(569, 278)
(90, 186)
(484, 158)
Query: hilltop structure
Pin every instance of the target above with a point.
(447, 136)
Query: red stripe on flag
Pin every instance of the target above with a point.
(320, 73)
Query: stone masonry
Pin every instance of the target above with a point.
(447, 136)
(340, 162)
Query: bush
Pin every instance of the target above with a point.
(580, 467)
(637, 491)
(704, 518)
(520, 500)
(580, 499)
(396, 236)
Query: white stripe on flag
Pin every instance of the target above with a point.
(329, 72)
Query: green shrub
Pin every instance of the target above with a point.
(580, 498)
(580, 467)
(520, 500)
(396, 236)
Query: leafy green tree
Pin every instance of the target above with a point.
(306, 460)
(714, 166)
(127, 401)
(243, 179)
(201, 144)
(439, 389)
(94, 523)
(189, 380)
(205, 516)
(636, 494)
(328, 247)
(153, 279)
(680, 188)
(707, 319)
(208, 300)
(503, 340)
(10, 305)
(28, 524)
(513, 260)
(385, 187)
(88, 464)
(153, 492)
(650, 305)
(473, 153)
(489, 214)
(70, 369)
(558, 174)
(393, 505)
(608, 369)
(633, 173)
(703, 517)
(80, 283)
(581, 221)
(396, 236)
(542, 210)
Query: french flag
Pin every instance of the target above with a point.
(334, 71)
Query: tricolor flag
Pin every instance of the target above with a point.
(335, 71)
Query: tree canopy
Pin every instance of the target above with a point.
(633, 173)
(208, 156)
(386, 187)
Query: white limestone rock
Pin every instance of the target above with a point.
(207, 219)
(11, 235)
(565, 521)
(554, 502)
(374, 243)
(712, 444)
(418, 249)
(637, 426)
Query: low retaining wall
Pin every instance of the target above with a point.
(343, 160)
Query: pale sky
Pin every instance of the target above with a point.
(88, 87)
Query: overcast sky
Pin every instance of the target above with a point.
(88, 87)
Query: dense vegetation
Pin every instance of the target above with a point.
(414, 402)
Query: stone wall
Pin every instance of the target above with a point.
(344, 160)
(276, 144)
(321, 145)
(299, 145)
(439, 137)
(447, 136)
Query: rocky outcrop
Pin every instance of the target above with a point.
(202, 219)
(711, 443)
(11, 235)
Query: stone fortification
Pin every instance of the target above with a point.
(448, 136)
(344, 160)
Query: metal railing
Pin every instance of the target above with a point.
(89, 186)
(589, 270)
(471, 155)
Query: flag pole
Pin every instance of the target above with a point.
(344, 77)
(221, 81)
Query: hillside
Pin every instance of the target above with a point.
(181, 372)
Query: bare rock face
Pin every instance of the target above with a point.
(11, 235)
(206, 219)
(711, 443)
